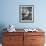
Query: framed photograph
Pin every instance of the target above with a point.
(26, 13)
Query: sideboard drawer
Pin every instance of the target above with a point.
(34, 33)
(13, 33)
(37, 39)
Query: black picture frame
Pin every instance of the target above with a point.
(26, 13)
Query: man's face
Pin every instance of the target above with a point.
(25, 11)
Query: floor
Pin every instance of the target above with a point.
(0, 44)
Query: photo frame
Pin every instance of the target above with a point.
(26, 13)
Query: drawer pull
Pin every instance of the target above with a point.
(33, 39)
(11, 38)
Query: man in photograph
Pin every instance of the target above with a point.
(26, 14)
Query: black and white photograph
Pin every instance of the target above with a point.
(26, 13)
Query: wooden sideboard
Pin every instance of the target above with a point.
(23, 38)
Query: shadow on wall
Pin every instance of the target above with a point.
(2, 26)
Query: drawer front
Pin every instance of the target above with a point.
(37, 44)
(13, 33)
(34, 33)
(37, 39)
(12, 44)
(27, 41)
(12, 39)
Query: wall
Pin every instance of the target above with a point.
(10, 13)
